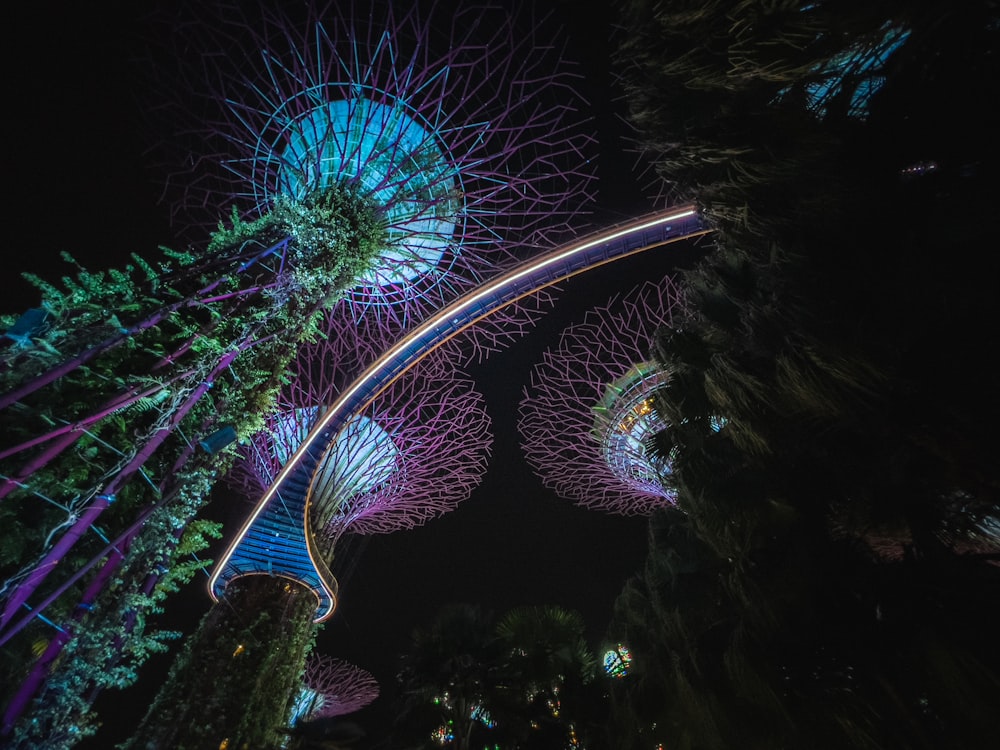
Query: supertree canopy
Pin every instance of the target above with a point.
(333, 687)
(588, 414)
(413, 453)
(459, 122)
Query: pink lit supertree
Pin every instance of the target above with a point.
(587, 416)
(415, 451)
(333, 687)
(459, 119)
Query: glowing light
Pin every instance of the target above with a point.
(396, 162)
(480, 714)
(858, 70)
(239, 650)
(442, 735)
(588, 415)
(618, 662)
(624, 420)
(363, 456)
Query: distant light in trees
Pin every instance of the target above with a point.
(618, 662)
(857, 72)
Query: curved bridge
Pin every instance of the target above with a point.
(276, 538)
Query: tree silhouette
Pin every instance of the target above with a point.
(514, 682)
(830, 485)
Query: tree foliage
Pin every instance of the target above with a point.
(237, 675)
(826, 572)
(146, 362)
(518, 681)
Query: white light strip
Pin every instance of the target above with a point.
(456, 307)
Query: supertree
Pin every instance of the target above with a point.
(466, 145)
(460, 120)
(418, 450)
(438, 152)
(588, 414)
(333, 687)
(412, 453)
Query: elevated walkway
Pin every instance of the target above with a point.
(276, 538)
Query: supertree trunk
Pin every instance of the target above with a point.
(256, 643)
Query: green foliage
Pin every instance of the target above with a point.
(237, 675)
(527, 671)
(805, 589)
(158, 340)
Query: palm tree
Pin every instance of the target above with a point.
(546, 665)
(517, 682)
(447, 677)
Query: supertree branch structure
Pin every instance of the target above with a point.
(461, 122)
(411, 454)
(588, 414)
(334, 687)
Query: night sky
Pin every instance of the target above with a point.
(77, 181)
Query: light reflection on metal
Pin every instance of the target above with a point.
(624, 420)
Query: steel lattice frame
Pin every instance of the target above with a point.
(427, 453)
(587, 409)
(465, 120)
(334, 687)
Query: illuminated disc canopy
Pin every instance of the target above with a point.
(362, 458)
(588, 414)
(392, 157)
(623, 421)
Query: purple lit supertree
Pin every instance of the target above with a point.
(333, 687)
(466, 145)
(459, 120)
(417, 450)
(588, 413)
(384, 471)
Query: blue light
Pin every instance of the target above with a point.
(623, 422)
(395, 160)
(856, 70)
(618, 662)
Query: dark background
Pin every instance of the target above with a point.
(76, 180)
